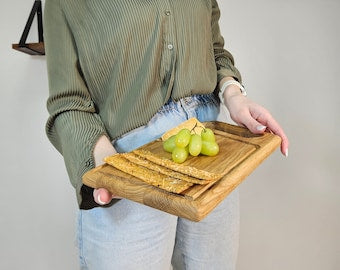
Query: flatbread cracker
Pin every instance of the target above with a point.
(192, 124)
(162, 181)
(158, 168)
(184, 169)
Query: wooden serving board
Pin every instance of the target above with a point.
(240, 153)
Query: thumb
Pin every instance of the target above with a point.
(102, 196)
(253, 125)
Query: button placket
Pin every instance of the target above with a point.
(170, 29)
(169, 53)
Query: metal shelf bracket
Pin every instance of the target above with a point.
(32, 48)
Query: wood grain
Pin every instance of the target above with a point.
(240, 153)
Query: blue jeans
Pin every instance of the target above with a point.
(130, 235)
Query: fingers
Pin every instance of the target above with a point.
(285, 146)
(274, 127)
(102, 196)
(258, 120)
(284, 140)
(246, 119)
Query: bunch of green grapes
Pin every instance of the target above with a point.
(184, 143)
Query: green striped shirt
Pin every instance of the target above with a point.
(113, 63)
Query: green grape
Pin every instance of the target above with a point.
(208, 135)
(169, 144)
(209, 148)
(195, 145)
(180, 154)
(183, 137)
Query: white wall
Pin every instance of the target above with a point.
(37, 204)
(288, 53)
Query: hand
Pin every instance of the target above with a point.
(253, 116)
(102, 149)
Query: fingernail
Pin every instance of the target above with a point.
(286, 153)
(99, 200)
(260, 128)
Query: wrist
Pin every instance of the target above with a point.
(102, 149)
(231, 90)
(229, 87)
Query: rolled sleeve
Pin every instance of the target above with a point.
(73, 126)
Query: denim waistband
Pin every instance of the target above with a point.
(191, 101)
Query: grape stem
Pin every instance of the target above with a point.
(194, 127)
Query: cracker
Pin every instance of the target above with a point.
(158, 168)
(184, 169)
(192, 124)
(157, 179)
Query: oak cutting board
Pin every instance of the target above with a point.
(240, 153)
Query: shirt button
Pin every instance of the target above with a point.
(167, 12)
(170, 46)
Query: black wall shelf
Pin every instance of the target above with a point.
(32, 48)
